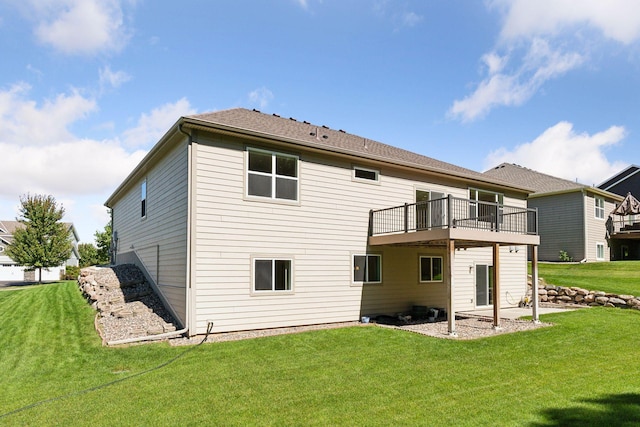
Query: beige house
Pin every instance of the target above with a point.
(243, 220)
(572, 216)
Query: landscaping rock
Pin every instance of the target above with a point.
(126, 304)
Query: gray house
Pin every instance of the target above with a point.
(625, 230)
(243, 220)
(572, 216)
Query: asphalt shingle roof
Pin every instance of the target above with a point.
(335, 140)
(540, 182)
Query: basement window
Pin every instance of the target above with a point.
(367, 268)
(430, 269)
(270, 274)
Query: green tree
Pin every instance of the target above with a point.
(43, 241)
(103, 240)
(88, 254)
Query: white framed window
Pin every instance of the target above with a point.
(367, 268)
(431, 269)
(365, 174)
(143, 199)
(600, 251)
(272, 275)
(599, 211)
(272, 175)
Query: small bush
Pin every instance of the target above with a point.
(564, 256)
(71, 273)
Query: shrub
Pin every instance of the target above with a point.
(564, 256)
(71, 273)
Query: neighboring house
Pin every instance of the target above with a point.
(627, 181)
(572, 217)
(625, 230)
(243, 220)
(11, 271)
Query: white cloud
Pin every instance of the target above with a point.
(113, 79)
(42, 156)
(78, 26)
(616, 19)
(410, 19)
(515, 87)
(260, 97)
(542, 40)
(562, 152)
(151, 127)
(23, 121)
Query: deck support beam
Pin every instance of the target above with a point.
(451, 311)
(534, 284)
(496, 286)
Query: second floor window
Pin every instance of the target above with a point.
(143, 199)
(272, 175)
(599, 207)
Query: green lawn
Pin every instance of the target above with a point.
(619, 277)
(582, 371)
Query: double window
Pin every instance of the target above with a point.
(272, 274)
(600, 251)
(272, 175)
(430, 269)
(367, 268)
(599, 212)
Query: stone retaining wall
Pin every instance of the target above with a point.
(580, 296)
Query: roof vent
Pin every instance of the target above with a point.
(326, 127)
(275, 115)
(312, 133)
(306, 122)
(257, 111)
(291, 118)
(325, 136)
(340, 130)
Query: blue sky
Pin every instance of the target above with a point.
(88, 86)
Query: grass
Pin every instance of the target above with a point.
(55, 372)
(618, 277)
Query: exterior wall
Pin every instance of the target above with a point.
(320, 233)
(158, 242)
(595, 228)
(561, 225)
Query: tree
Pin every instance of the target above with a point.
(88, 254)
(43, 241)
(103, 240)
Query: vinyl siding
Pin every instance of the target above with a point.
(320, 234)
(158, 242)
(595, 229)
(561, 222)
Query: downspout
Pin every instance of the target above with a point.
(585, 234)
(188, 275)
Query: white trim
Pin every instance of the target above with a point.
(420, 268)
(353, 266)
(354, 178)
(273, 175)
(598, 208)
(273, 291)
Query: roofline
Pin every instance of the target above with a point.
(151, 155)
(621, 179)
(594, 190)
(195, 123)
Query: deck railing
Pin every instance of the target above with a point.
(624, 224)
(453, 212)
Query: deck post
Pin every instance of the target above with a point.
(406, 217)
(451, 311)
(496, 286)
(534, 284)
